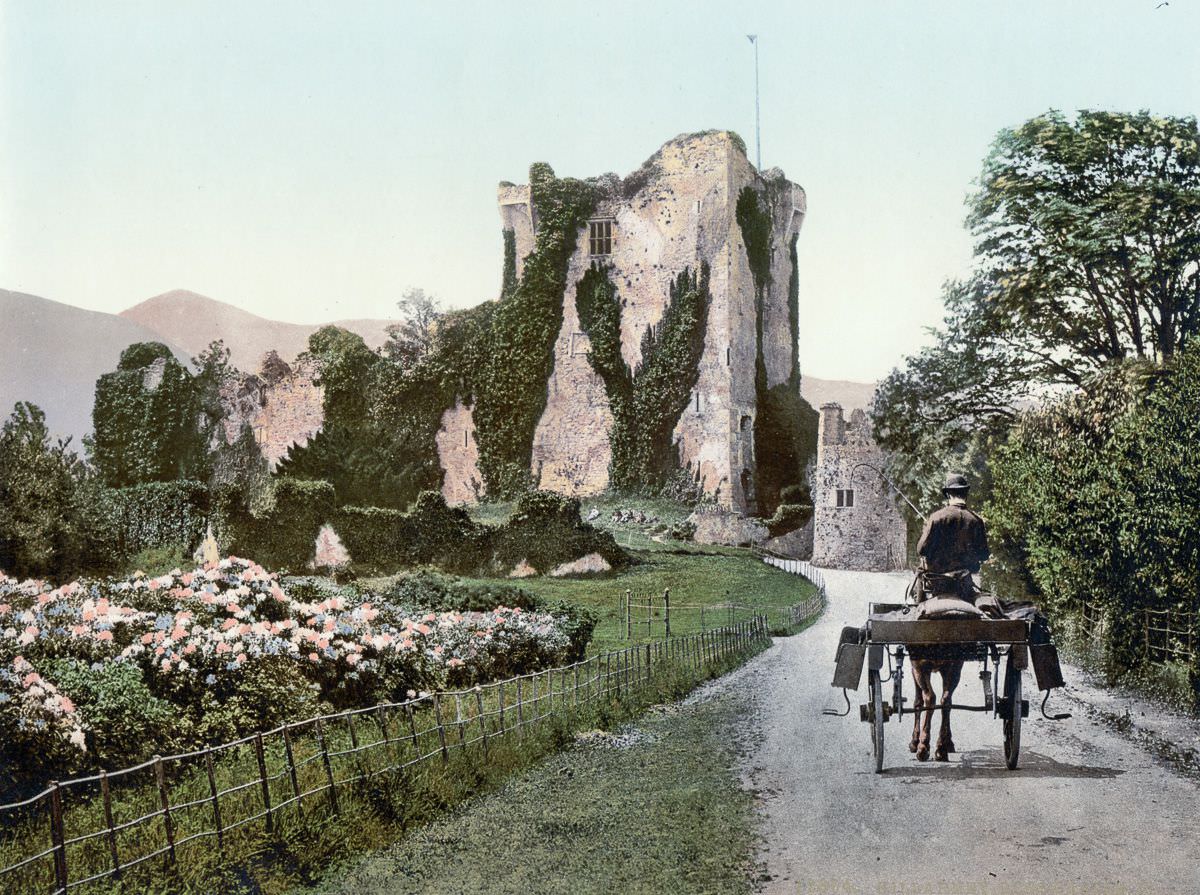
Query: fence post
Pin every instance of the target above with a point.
(437, 716)
(649, 665)
(333, 802)
(628, 615)
(649, 613)
(667, 612)
(108, 823)
(291, 758)
(262, 776)
(160, 778)
(412, 730)
(500, 703)
(520, 711)
(576, 687)
(216, 803)
(58, 838)
(459, 722)
(482, 720)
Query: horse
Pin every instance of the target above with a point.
(925, 662)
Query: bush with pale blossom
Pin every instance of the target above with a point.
(231, 650)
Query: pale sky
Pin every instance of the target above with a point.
(310, 161)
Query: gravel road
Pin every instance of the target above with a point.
(1087, 812)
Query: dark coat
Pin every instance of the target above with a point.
(954, 538)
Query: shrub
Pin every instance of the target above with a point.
(789, 517)
(443, 593)
(546, 530)
(154, 515)
(577, 622)
(125, 722)
(280, 534)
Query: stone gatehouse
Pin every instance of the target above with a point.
(857, 522)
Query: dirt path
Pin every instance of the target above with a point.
(1087, 812)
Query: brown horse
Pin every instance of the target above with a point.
(924, 663)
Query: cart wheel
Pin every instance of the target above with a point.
(876, 689)
(1012, 724)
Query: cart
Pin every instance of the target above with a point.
(893, 630)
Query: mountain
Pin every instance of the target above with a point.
(850, 395)
(51, 354)
(192, 321)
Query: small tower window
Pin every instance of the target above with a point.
(728, 356)
(845, 497)
(466, 433)
(600, 237)
(697, 402)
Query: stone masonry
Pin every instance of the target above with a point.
(282, 404)
(857, 523)
(677, 211)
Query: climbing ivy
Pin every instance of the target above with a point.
(785, 425)
(510, 392)
(147, 434)
(508, 281)
(646, 403)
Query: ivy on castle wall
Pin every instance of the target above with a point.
(510, 392)
(646, 403)
(508, 281)
(147, 434)
(785, 427)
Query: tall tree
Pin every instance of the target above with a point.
(38, 482)
(412, 339)
(1088, 245)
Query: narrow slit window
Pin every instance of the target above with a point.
(697, 402)
(728, 356)
(465, 433)
(845, 497)
(600, 237)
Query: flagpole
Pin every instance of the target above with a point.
(757, 126)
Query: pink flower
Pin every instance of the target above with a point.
(456, 663)
(30, 679)
(67, 705)
(352, 658)
(313, 657)
(223, 648)
(104, 635)
(148, 638)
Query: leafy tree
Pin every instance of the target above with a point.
(412, 339)
(1088, 232)
(1088, 245)
(146, 423)
(38, 484)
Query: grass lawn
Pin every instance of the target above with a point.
(694, 578)
(657, 808)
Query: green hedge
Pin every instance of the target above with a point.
(153, 515)
(282, 533)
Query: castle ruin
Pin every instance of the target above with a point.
(857, 523)
(677, 212)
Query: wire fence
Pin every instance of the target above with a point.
(1167, 635)
(98, 828)
(651, 615)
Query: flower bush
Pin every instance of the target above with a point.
(231, 650)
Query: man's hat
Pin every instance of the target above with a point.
(956, 482)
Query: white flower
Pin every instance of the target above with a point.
(77, 740)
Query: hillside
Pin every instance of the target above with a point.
(192, 321)
(52, 353)
(850, 395)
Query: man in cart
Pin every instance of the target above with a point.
(953, 545)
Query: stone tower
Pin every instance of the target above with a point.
(856, 521)
(677, 212)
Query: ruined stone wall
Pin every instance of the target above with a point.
(282, 404)
(870, 535)
(458, 454)
(676, 212)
